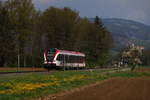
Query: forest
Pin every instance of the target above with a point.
(25, 32)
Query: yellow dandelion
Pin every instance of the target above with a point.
(76, 77)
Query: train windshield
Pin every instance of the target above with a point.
(50, 54)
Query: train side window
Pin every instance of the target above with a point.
(79, 59)
(66, 58)
(71, 59)
(76, 59)
(82, 59)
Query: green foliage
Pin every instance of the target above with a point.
(60, 28)
(97, 21)
(146, 57)
(65, 81)
(33, 84)
(129, 74)
(57, 25)
(130, 56)
(6, 37)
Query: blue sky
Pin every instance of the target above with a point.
(138, 10)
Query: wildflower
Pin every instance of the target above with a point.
(75, 78)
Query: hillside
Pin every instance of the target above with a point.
(125, 31)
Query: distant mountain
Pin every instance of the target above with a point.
(125, 31)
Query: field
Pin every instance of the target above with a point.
(113, 89)
(48, 85)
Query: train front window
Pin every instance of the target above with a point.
(60, 57)
(50, 54)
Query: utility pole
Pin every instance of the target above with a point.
(18, 63)
(24, 61)
(64, 63)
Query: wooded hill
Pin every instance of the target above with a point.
(125, 31)
(26, 32)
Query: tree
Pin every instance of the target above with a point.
(146, 57)
(93, 40)
(29, 31)
(104, 41)
(6, 37)
(21, 13)
(57, 25)
(132, 56)
(97, 21)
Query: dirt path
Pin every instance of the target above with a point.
(113, 89)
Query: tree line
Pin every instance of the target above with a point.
(146, 57)
(25, 32)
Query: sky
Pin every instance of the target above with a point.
(137, 10)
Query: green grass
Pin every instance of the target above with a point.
(15, 87)
(9, 71)
(146, 66)
(129, 74)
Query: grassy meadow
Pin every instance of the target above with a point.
(35, 85)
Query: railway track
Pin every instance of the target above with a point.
(21, 72)
(89, 69)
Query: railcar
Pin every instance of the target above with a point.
(55, 58)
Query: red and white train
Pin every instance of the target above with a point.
(54, 58)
